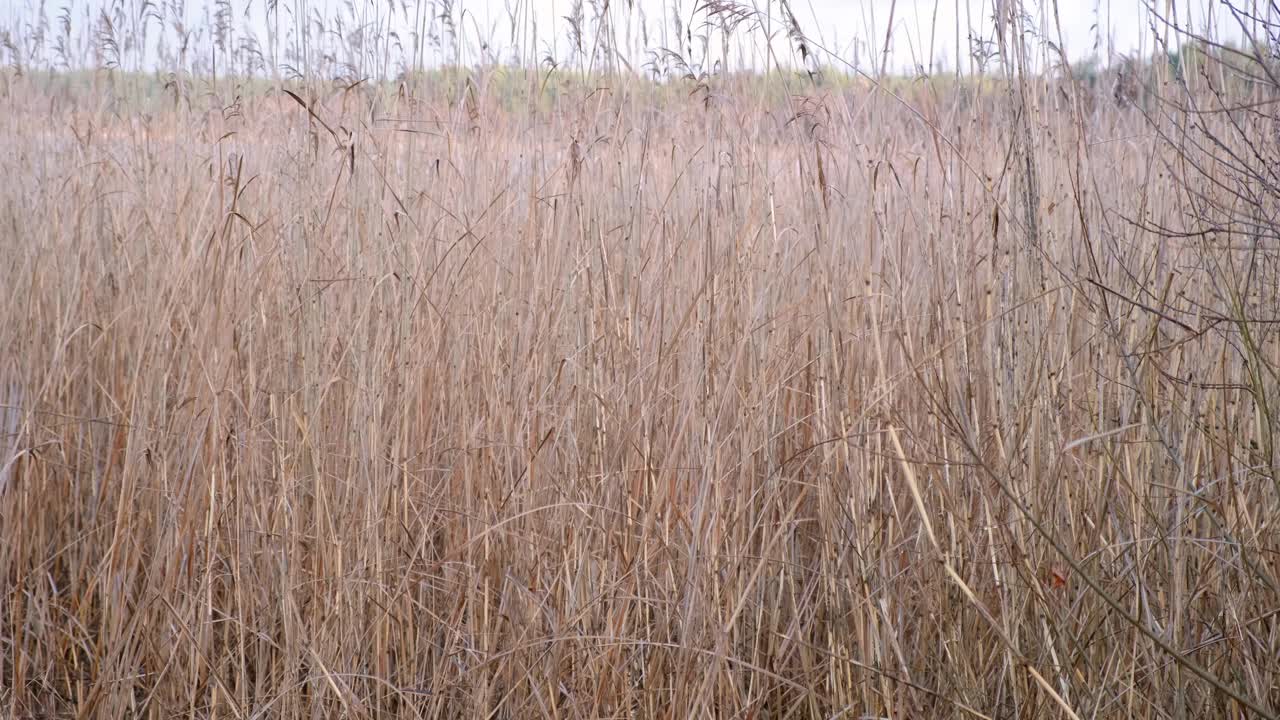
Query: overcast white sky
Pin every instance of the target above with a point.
(922, 30)
(940, 29)
(922, 34)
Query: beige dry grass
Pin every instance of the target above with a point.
(638, 406)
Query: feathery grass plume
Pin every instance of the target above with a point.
(108, 46)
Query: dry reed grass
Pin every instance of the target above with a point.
(700, 407)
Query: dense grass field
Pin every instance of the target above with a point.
(723, 398)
